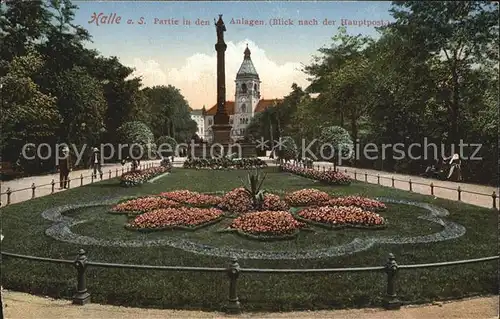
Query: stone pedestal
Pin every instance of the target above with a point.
(222, 133)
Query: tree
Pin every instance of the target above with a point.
(80, 100)
(138, 139)
(286, 149)
(166, 145)
(28, 115)
(457, 34)
(340, 143)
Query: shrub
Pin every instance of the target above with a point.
(340, 140)
(166, 146)
(137, 133)
(328, 177)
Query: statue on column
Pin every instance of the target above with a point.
(220, 27)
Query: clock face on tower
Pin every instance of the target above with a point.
(243, 99)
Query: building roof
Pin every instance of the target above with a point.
(261, 106)
(229, 108)
(247, 68)
(197, 112)
(264, 104)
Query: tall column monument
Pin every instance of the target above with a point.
(221, 128)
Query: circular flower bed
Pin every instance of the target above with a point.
(341, 216)
(171, 218)
(357, 201)
(274, 202)
(307, 197)
(143, 204)
(267, 225)
(236, 201)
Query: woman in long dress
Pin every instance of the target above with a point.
(455, 168)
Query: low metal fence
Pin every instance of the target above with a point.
(80, 180)
(233, 271)
(459, 191)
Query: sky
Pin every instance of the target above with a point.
(184, 55)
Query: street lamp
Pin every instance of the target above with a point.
(83, 126)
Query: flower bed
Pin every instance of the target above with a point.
(267, 225)
(225, 163)
(327, 177)
(189, 218)
(143, 204)
(357, 201)
(307, 197)
(341, 216)
(135, 178)
(236, 201)
(274, 202)
(179, 195)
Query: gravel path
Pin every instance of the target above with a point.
(24, 306)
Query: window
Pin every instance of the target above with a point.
(244, 88)
(255, 87)
(231, 121)
(209, 121)
(243, 108)
(241, 120)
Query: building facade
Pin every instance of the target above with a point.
(247, 102)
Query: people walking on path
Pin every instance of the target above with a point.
(96, 162)
(64, 167)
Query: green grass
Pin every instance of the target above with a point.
(24, 231)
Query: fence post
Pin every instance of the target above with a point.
(53, 184)
(392, 180)
(432, 188)
(409, 182)
(366, 177)
(233, 271)
(8, 195)
(91, 178)
(325, 169)
(109, 174)
(33, 187)
(378, 179)
(391, 301)
(494, 196)
(69, 181)
(355, 175)
(81, 179)
(100, 175)
(122, 170)
(459, 193)
(318, 167)
(82, 296)
(117, 172)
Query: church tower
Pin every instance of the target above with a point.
(247, 95)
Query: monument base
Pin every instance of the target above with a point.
(222, 133)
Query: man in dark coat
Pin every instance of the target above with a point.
(64, 169)
(95, 162)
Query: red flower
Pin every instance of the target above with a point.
(144, 204)
(341, 215)
(307, 197)
(171, 217)
(236, 201)
(267, 222)
(362, 202)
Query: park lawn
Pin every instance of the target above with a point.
(24, 231)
